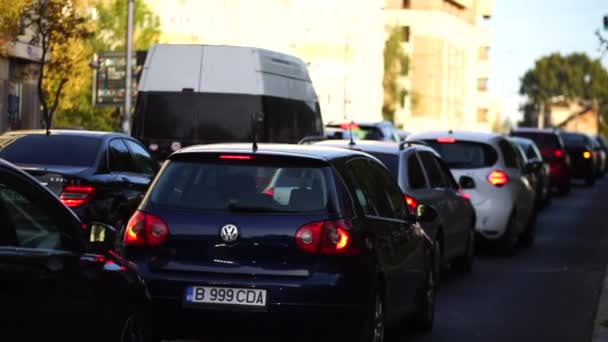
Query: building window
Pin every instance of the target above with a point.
(484, 53)
(405, 33)
(406, 4)
(482, 84)
(482, 115)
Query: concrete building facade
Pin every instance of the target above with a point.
(340, 40)
(19, 104)
(449, 63)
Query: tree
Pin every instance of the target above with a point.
(111, 25)
(60, 30)
(10, 13)
(109, 21)
(396, 65)
(570, 77)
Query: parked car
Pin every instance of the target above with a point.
(584, 159)
(57, 286)
(540, 170)
(600, 140)
(339, 134)
(553, 151)
(381, 130)
(494, 179)
(424, 178)
(218, 237)
(101, 176)
(201, 94)
(600, 157)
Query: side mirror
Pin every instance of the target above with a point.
(101, 237)
(531, 167)
(425, 213)
(466, 182)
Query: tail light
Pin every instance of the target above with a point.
(587, 155)
(412, 204)
(558, 153)
(326, 237)
(446, 140)
(145, 230)
(76, 195)
(497, 178)
(464, 194)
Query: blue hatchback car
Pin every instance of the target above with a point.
(229, 239)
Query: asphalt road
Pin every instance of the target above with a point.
(546, 293)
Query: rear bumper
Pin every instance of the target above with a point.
(289, 301)
(559, 174)
(492, 217)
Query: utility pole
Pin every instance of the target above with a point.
(126, 124)
(541, 116)
(346, 47)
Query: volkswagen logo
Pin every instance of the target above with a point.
(229, 233)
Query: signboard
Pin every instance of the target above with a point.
(109, 82)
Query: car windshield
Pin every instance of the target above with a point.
(390, 160)
(572, 139)
(465, 155)
(542, 140)
(242, 187)
(54, 149)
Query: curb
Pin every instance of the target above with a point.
(600, 325)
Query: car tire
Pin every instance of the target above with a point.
(374, 324)
(424, 315)
(508, 241)
(590, 180)
(529, 235)
(438, 262)
(134, 330)
(464, 263)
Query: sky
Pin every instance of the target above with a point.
(525, 30)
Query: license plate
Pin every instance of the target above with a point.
(225, 296)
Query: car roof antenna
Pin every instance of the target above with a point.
(350, 133)
(254, 133)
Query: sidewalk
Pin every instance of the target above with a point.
(600, 328)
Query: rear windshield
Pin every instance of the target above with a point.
(542, 140)
(363, 132)
(60, 150)
(242, 187)
(391, 161)
(572, 139)
(465, 154)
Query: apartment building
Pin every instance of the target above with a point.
(450, 67)
(340, 40)
(19, 103)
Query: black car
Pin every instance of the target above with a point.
(381, 130)
(424, 178)
(54, 284)
(602, 142)
(536, 166)
(102, 176)
(285, 235)
(582, 154)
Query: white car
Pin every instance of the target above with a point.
(494, 176)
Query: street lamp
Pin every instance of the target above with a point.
(126, 124)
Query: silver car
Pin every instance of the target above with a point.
(493, 174)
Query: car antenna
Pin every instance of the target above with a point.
(350, 133)
(254, 133)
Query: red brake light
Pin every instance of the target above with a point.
(349, 126)
(412, 204)
(446, 140)
(269, 192)
(145, 229)
(558, 153)
(235, 157)
(75, 195)
(497, 178)
(464, 195)
(326, 237)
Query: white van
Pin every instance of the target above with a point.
(192, 94)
